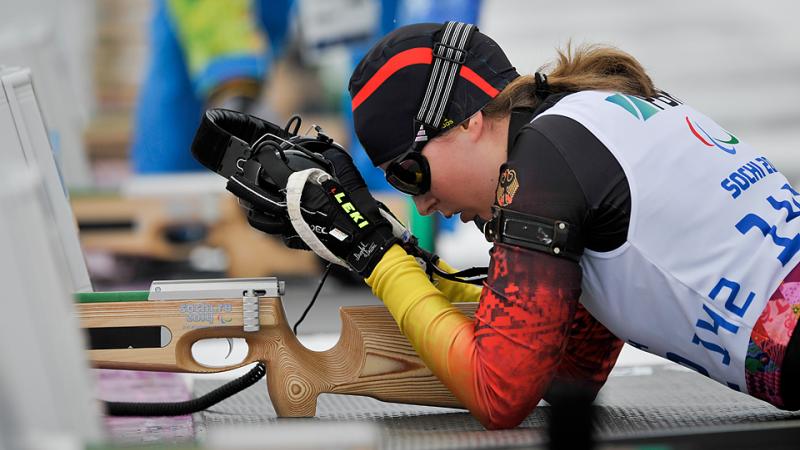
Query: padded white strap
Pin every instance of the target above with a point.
(398, 229)
(294, 192)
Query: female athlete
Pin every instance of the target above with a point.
(617, 212)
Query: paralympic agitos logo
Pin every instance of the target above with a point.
(727, 145)
(644, 108)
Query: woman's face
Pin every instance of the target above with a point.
(464, 165)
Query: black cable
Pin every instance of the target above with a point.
(297, 120)
(473, 275)
(314, 298)
(188, 406)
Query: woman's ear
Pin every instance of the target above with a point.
(474, 126)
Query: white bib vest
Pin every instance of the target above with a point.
(714, 229)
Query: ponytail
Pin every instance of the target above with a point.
(589, 67)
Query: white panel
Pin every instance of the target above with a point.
(45, 385)
(32, 42)
(31, 136)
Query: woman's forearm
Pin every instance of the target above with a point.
(498, 365)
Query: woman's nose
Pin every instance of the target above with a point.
(424, 203)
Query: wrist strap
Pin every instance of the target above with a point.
(370, 250)
(294, 191)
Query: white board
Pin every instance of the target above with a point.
(45, 383)
(33, 43)
(28, 143)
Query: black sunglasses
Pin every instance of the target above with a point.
(410, 172)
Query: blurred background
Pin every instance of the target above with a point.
(122, 84)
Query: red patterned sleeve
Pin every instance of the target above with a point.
(521, 330)
(500, 364)
(590, 354)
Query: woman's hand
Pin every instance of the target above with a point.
(339, 210)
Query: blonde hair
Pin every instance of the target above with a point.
(588, 67)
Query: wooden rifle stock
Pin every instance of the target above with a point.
(372, 357)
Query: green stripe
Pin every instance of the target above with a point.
(625, 103)
(92, 193)
(105, 297)
(733, 140)
(645, 108)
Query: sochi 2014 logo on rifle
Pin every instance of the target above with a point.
(507, 186)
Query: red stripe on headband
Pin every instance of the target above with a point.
(418, 55)
(478, 81)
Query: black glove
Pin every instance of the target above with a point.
(275, 225)
(340, 212)
(338, 217)
(352, 226)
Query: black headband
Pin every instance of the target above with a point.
(449, 54)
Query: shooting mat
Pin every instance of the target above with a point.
(636, 402)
